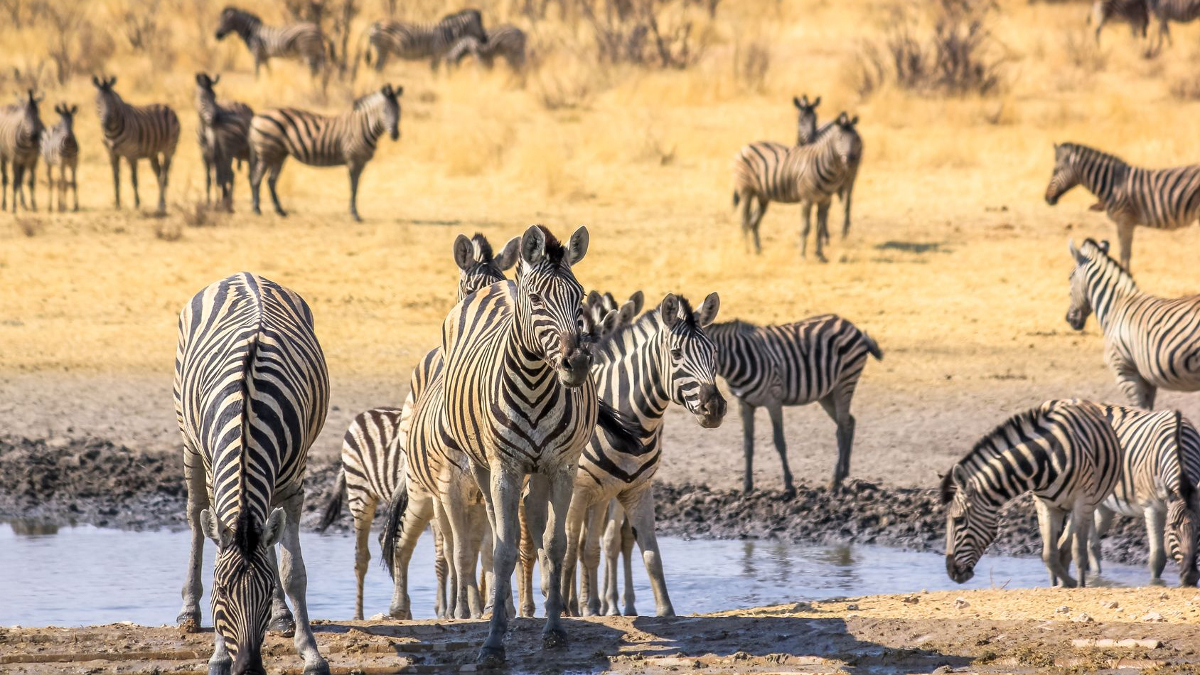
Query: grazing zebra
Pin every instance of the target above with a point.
(1164, 199)
(1150, 343)
(20, 143)
(1064, 452)
(135, 132)
(1159, 471)
(223, 133)
(817, 359)
(806, 174)
(373, 452)
(506, 41)
(317, 140)
(1166, 11)
(251, 395)
(418, 41)
(807, 133)
(1136, 13)
(299, 41)
(60, 149)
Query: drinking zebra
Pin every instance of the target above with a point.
(20, 143)
(299, 41)
(317, 140)
(807, 174)
(817, 359)
(808, 132)
(135, 132)
(505, 41)
(373, 451)
(1164, 199)
(1136, 13)
(251, 395)
(418, 41)
(60, 149)
(1064, 452)
(1150, 343)
(223, 133)
(1160, 467)
(1166, 11)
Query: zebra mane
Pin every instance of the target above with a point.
(483, 246)
(1097, 255)
(996, 437)
(362, 102)
(555, 251)
(247, 533)
(1081, 150)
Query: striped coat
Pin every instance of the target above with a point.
(420, 41)
(251, 395)
(1150, 343)
(223, 134)
(1064, 452)
(61, 150)
(318, 140)
(1136, 13)
(1164, 199)
(1166, 11)
(505, 41)
(20, 144)
(808, 132)
(136, 132)
(298, 41)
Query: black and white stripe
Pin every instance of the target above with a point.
(808, 132)
(251, 395)
(223, 134)
(506, 41)
(1166, 11)
(299, 41)
(817, 359)
(1136, 13)
(1150, 343)
(1164, 199)
(420, 41)
(20, 146)
(136, 132)
(60, 149)
(318, 140)
(1064, 452)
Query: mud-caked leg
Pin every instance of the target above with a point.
(362, 551)
(776, 411)
(295, 582)
(282, 621)
(1050, 522)
(747, 411)
(1156, 521)
(1099, 529)
(504, 497)
(197, 501)
(640, 509)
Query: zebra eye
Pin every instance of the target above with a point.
(535, 298)
(677, 354)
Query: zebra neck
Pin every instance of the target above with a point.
(630, 376)
(1108, 286)
(370, 123)
(519, 355)
(1102, 175)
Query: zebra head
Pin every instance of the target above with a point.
(382, 109)
(1066, 174)
(206, 97)
(243, 580)
(549, 312)
(107, 99)
(608, 317)
(689, 358)
(847, 144)
(806, 118)
(971, 523)
(478, 268)
(1181, 533)
(1081, 299)
(66, 115)
(234, 20)
(31, 127)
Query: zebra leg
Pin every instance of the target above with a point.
(747, 411)
(837, 406)
(776, 411)
(1156, 521)
(611, 548)
(4, 184)
(554, 544)
(363, 517)
(628, 536)
(208, 178)
(18, 185)
(589, 593)
(475, 522)
(33, 186)
(504, 495)
(257, 169)
(156, 168)
(75, 186)
(115, 160)
(197, 498)
(137, 199)
(1081, 532)
(281, 617)
(849, 192)
(577, 512)
(747, 216)
(447, 577)
(1050, 521)
(416, 519)
(295, 581)
(272, 178)
(1125, 238)
(355, 172)
(164, 179)
(62, 188)
(640, 511)
(822, 229)
(1103, 520)
(759, 213)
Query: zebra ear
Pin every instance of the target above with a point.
(215, 79)
(638, 299)
(609, 323)
(1104, 246)
(111, 81)
(668, 310)
(854, 120)
(533, 245)
(463, 252)
(96, 81)
(578, 246)
(397, 91)
(593, 298)
(214, 529)
(508, 256)
(273, 530)
(626, 313)
(816, 102)
(74, 109)
(708, 310)
(796, 102)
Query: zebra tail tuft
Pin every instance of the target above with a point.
(872, 346)
(623, 433)
(393, 525)
(736, 198)
(1187, 491)
(333, 508)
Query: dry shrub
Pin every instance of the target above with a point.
(146, 35)
(30, 227)
(198, 214)
(1186, 88)
(751, 61)
(1083, 52)
(74, 44)
(168, 229)
(645, 33)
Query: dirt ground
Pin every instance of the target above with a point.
(994, 631)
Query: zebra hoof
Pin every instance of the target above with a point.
(281, 213)
(283, 625)
(555, 638)
(789, 493)
(188, 622)
(491, 657)
(630, 611)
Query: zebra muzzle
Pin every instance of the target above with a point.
(711, 410)
(575, 362)
(960, 576)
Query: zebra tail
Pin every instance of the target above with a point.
(736, 198)
(1187, 490)
(872, 346)
(393, 525)
(333, 508)
(624, 434)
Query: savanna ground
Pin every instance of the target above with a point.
(955, 264)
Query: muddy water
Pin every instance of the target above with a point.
(86, 575)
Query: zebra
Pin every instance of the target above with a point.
(817, 359)
(807, 174)
(318, 140)
(21, 131)
(1165, 199)
(1166, 11)
(60, 149)
(223, 134)
(506, 41)
(373, 451)
(299, 41)
(808, 132)
(135, 132)
(1150, 343)
(1064, 452)
(251, 394)
(1136, 13)
(1160, 467)
(418, 41)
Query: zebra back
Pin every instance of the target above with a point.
(411, 41)
(21, 131)
(806, 173)
(1160, 458)
(320, 140)
(134, 131)
(1182, 11)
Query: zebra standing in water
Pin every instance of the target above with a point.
(223, 133)
(1166, 11)
(373, 451)
(251, 395)
(418, 41)
(60, 149)
(1064, 452)
(817, 359)
(808, 174)
(1159, 471)
(136, 132)
(299, 41)
(20, 143)
(808, 133)
(1150, 343)
(506, 41)
(1136, 13)
(317, 140)
(1164, 199)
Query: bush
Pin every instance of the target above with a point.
(1186, 88)
(751, 61)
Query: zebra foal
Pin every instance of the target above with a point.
(251, 394)
(419, 41)
(808, 132)
(1064, 452)
(21, 132)
(318, 140)
(223, 134)
(136, 132)
(506, 41)
(1164, 199)
(61, 150)
(298, 41)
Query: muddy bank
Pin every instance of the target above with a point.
(100, 483)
